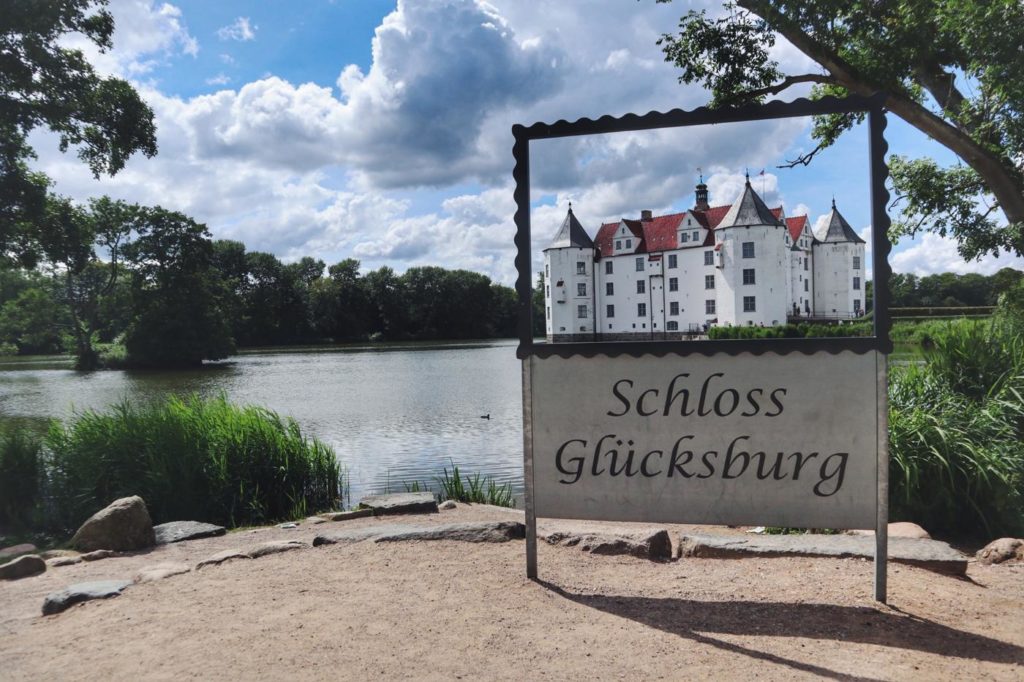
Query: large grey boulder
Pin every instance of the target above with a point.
(928, 554)
(23, 567)
(14, 550)
(400, 503)
(124, 525)
(490, 531)
(1001, 550)
(653, 544)
(180, 531)
(80, 592)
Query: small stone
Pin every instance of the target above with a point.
(274, 548)
(54, 553)
(99, 554)
(315, 520)
(22, 567)
(64, 561)
(1001, 550)
(14, 550)
(159, 572)
(123, 525)
(80, 592)
(288, 526)
(180, 531)
(654, 544)
(221, 557)
(400, 503)
(446, 505)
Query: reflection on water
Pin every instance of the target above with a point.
(396, 413)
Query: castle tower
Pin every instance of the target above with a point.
(752, 274)
(569, 283)
(839, 269)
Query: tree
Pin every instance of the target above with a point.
(43, 83)
(178, 319)
(953, 70)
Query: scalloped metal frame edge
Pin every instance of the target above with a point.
(872, 106)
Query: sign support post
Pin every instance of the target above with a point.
(882, 501)
(528, 502)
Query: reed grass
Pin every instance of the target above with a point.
(190, 458)
(474, 489)
(20, 477)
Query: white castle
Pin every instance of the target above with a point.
(666, 277)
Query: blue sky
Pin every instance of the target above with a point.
(381, 130)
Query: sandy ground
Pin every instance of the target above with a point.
(445, 610)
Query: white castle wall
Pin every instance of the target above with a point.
(562, 301)
(771, 287)
(834, 274)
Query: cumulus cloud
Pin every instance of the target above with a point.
(241, 30)
(145, 35)
(219, 79)
(931, 253)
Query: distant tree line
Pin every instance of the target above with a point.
(951, 290)
(118, 283)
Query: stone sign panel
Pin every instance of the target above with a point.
(786, 440)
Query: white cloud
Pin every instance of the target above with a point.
(241, 30)
(219, 79)
(145, 34)
(930, 253)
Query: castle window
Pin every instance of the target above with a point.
(748, 276)
(672, 261)
(696, 236)
(749, 305)
(547, 270)
(672, 325)
(618, 244)
(684, 237)
(856, 262)
(581, 289)
(547, 290)
(581, 268)
(805, 263)
(641, 310)
(709, 258)
(709, 306)
(609, 311)
(609, 288)
(856, 283)
(639, 264)
(673, 308)
(805, 284)
(641, 286)
(549, 312)
(689, 221)
(673, 284)
(629, 243)
(748, 249)
(607, 267)
(581, 312)
(856, 305)
(709, 281)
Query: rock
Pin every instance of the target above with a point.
(55, 553)
(221, 557)
(64, 561)
(315, 520)
(180, 531)
(446, 505)
(288, 526)
(490, 531)
(80, 592)
(928, 554)
(348, 515)
(14, 550)
(123, 525)
(99, 554)
(274, 548)
(400, 503)
(654, 544)
(1003, 549)
(898, 529)
(159, 572)
(23, 567)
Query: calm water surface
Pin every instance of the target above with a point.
(393, 414)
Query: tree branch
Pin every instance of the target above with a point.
(787, 82)
(803, 159)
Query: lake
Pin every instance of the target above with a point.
(394, 413)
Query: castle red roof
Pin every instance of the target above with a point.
(796, 226)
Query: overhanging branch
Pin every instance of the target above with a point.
(786, 82)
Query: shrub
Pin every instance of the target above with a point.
(195, 459)
(20, 470)
(956, 425)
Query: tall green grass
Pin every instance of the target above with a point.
(475, 489)
(956, 426)
(20, 477)
(189, 458)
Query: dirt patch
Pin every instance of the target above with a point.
(447, 610)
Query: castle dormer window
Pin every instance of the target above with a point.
(629, 243)
(696, 235)
(618, 244)
(581, 267)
